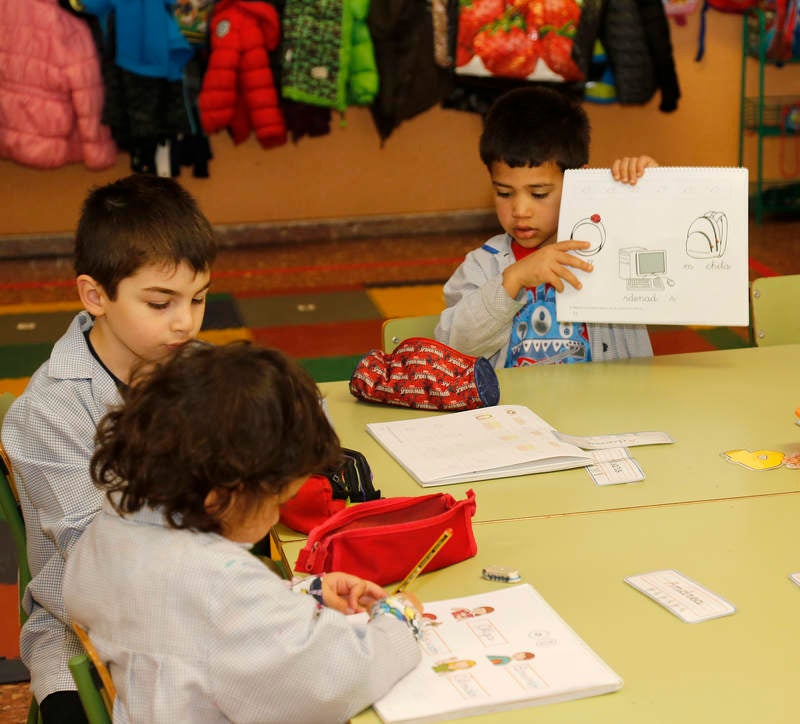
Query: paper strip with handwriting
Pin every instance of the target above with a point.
(688, 600)
(622, 439)
(670, 250)
(613, 466)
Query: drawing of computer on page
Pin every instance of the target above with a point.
(642, 269)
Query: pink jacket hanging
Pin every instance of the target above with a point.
(238, 91)
(51, 90)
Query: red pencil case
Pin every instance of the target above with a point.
(382, 540)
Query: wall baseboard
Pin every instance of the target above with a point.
(20, 246)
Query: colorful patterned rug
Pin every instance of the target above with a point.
(328, 330)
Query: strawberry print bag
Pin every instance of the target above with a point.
(523, 39)
(425, 374)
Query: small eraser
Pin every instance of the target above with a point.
(501, 573)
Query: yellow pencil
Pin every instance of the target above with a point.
(424, 561)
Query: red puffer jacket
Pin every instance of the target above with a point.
(238, 92)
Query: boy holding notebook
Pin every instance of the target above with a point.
(501, 299)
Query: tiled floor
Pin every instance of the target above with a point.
(357, 263)
(315, 300)
(275, 267)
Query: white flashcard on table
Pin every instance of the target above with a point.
(614, 466)
(795, 577)
(685, 598)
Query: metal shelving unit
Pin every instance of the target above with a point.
(765, 116)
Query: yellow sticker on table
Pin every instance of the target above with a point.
(755, 459)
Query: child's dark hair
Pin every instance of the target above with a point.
(234, 418)
(138, 220)
(533, 125)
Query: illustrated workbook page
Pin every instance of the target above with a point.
(670, 250)
(476, 444)
(499, 650)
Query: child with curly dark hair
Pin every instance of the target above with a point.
(194, 628)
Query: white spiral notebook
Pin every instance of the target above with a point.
(670, 250)
(482, 444)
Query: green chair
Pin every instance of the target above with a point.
(6, 400)
(90, 689)
(396, 330)
(774, 302)
(95, 688)
(9, 504)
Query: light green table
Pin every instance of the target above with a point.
(738, 669)
(708, 402)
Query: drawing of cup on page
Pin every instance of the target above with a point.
(590, 229)
(707, 236)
